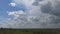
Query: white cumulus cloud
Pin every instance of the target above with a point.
(12, 4)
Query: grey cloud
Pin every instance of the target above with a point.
(55, 20)
(49, 9)
(56, 11)
(46, 8)
(36, 3)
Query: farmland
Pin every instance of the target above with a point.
(29, 31)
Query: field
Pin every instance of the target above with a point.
(29, 31)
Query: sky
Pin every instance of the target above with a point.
(30, 13)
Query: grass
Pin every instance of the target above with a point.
(29, 31)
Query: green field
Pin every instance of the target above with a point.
(29, 31)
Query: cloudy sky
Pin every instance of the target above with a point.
(30, 13)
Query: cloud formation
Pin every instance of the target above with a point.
(12, 4)
(39, 14)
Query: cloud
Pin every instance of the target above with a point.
(52, 7)
(31, 21)
(39, 14)
(12, 4)
(16, 13)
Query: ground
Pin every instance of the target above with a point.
(29, 31)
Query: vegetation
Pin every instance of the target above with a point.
(29, 31)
